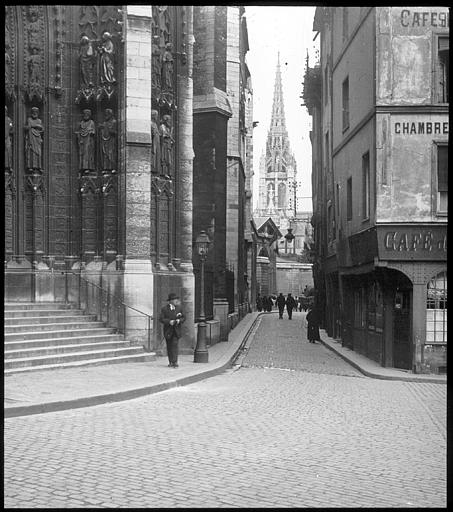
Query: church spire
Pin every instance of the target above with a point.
(278, 123)
(278, 168)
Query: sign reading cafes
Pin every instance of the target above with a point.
(412, 243)
(414, 18)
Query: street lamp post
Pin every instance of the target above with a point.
(201, 352)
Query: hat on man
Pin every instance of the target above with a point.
(172, 296)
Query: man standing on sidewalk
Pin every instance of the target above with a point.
(290, 305)
(172, 317)
(281, 302)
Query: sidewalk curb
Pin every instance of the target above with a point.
(367, 373)
(28, 410)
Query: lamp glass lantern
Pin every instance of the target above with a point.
(202, 244)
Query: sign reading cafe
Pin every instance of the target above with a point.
(397, 242)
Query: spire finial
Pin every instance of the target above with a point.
(278, 58)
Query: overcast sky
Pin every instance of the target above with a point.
(288, 30)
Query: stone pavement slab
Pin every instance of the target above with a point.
(54, 390)
(373, 369)
(69, 388)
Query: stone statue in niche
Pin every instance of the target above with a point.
(155, 142)
(156, 65)
(164, 24)
(166, 145)
(87, 63)
(106, 67)
(33, 26)
(167, 68)
(108, 133)
(34, 64)
(86, 140)
(33, 145)
(8, 141)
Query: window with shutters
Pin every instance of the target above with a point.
(442, 73)
(442, 179)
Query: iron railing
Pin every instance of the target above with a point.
(71, 287)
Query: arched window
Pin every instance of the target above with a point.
(436, 309)
(281, 195)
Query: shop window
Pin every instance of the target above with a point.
(436, 309)
(442, 179)
(443, 70)
(345, 104)
(349, 199)
(366, 186)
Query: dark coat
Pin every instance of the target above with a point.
(281, 302)
(166, 314)
(312, 325)
(290, 303)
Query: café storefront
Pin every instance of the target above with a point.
(395, 296)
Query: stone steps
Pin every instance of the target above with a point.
(41, 336)
(145, 356)
(64, 349)
(36, 335)
(31, 320)
(24, 313)
(65, 357)
(71, 340)
(10, 329)
(8, 306)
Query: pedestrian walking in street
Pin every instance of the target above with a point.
(299, 303)
(281, 303)
(290, 305)
(172, 316)
(270, 303)
(312, 325)
(259, 303)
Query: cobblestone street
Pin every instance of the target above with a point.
(295, 426)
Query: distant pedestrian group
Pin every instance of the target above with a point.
(289, 302)
(264, 303)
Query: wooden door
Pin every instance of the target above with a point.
(402, 342)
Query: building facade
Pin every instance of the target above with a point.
(99, 157)
(380, 135)
(222, 93)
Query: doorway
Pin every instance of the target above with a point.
(402, 339)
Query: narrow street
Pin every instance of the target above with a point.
(295, 426)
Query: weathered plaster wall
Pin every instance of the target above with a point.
(404, 53)
(406, 166)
